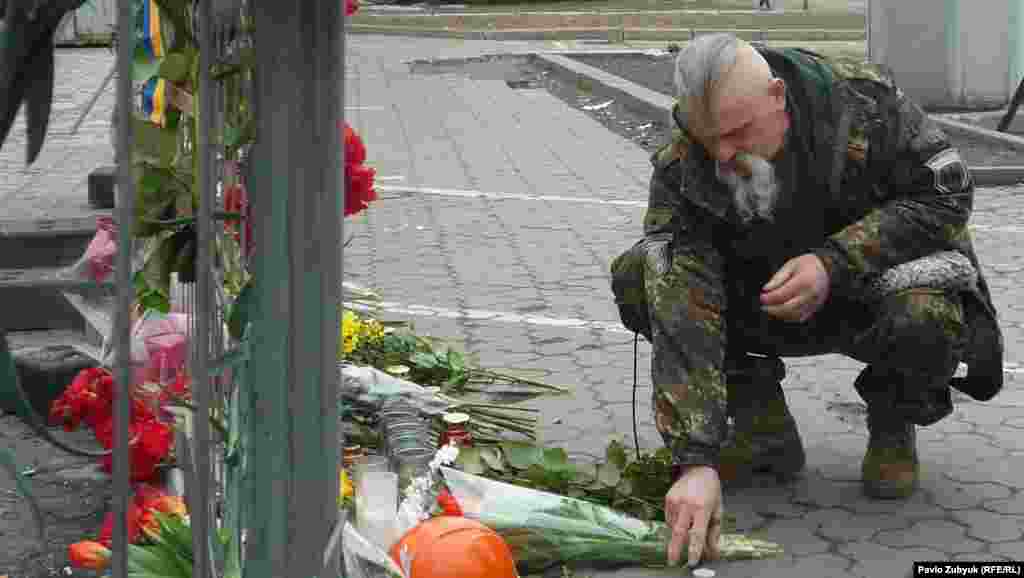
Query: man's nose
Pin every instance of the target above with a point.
(726, 152)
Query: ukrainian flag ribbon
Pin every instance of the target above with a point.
(154, 93)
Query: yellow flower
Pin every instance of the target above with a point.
(372, 330)
(347, 491)
(350, 329)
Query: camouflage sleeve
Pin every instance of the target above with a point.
(926, 195)
(666, 185)
(686, 301)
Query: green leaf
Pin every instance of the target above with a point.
(144, 67)
(491, 455)
(154, 300)
(455, 361)
(159, 260)
(608, 474)
(616, 454)
(175, 67)
(232, 135)
(152, 562)
(521, 455)
(469, 461)
(153, 143)
(584, 474)
(176, 534)
(556, 460)
(625, 487)
(424, 360)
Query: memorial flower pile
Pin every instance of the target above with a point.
(150, 511)
(89, 400)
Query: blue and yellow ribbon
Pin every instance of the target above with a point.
(154, 93)
(154, 101)
(152, 36)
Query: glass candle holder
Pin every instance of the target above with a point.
(411, 463)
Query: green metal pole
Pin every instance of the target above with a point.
(293, 443)
(125, 288)
(954, 74)
(202, 511)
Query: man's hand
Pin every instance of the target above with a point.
(693, 511)
(798, 290)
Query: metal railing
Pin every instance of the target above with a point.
(227, 482)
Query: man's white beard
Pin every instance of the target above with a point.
(754, 196)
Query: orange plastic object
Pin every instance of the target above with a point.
(455, 547)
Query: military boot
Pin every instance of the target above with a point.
(764, 436)
(890, 469)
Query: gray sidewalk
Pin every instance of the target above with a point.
(78, 141)
(496, 226)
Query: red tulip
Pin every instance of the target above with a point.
(165, 504)
(146, 498)
(448, 504)
(89, 555)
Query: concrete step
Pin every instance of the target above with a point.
(44, 242)
(33, 299)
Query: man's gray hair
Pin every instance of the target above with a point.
(704, 62)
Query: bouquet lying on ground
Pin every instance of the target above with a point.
(546, 529)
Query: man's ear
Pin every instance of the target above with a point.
(777, 90)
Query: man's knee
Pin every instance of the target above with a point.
(923, 320)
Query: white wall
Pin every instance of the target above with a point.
(946, 52)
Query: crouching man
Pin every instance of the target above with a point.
(805, 206)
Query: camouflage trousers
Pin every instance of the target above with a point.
(707, 329)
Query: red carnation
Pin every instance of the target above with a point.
(358, 177)
(351, 6)
(149, 442)
(87, 399)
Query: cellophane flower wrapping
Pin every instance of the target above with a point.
(545, 529)
(364, 559)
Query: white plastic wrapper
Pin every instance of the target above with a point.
(363, 559)
(370, 387)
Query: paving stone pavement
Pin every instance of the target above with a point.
(457, 245)
(500, 210)
(72, 492)
(78, 141)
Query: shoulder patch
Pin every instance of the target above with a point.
(949, 172)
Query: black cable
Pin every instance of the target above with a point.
(636, 438)
(32, 419)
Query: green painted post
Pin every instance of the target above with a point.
(295, 184)
(951, 11)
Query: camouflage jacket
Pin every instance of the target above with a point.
(868, 182)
